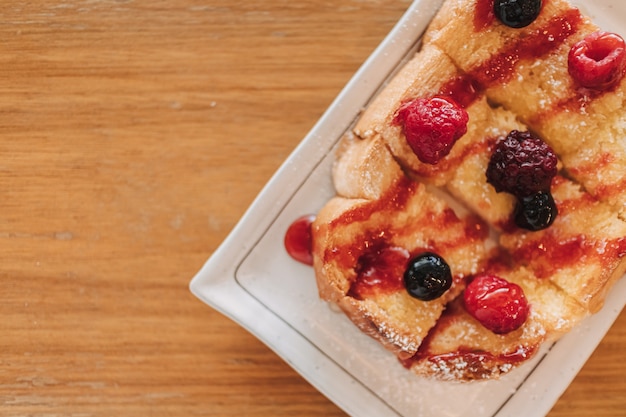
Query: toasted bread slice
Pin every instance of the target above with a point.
(583, 252)
(362, 246)
(460, 348)
(430, 73)
(526, 71)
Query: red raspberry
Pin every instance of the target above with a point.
(598, 61)
(521, 164)
(496, 303)
(432, 125)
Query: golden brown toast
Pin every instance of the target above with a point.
(585, 128)
(364, 238)
(391, 206)
(460, 348)
(582, 253)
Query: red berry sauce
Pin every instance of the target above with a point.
(597, 164)
(463, 89)
(378, 263)
(298, 241)
(379, 269)
(483, 15)
(551, 253)
(500, 68)
(471, 362)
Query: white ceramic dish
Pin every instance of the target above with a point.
(252, 280)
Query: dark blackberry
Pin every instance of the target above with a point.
(517, 13)
(427, 276)
(535, 212)
(521, 164)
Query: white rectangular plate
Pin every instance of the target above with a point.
(252, 280)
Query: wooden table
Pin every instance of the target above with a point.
(134, 134)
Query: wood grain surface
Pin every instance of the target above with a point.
(134, 135)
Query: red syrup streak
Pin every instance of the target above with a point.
(379, 269)
(394, 199)
(462, 89)
(577, 102)
(552, 253)
(478, 363)
(378, 264)
(541, 41)
(500, 68)
(592, 168)
(483, 15)
(298, 241)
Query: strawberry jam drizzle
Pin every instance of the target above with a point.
(483, 15)
(576, 102)
(597, 165)
(394, 199)
(463, 89)
(378, 264)
(570, 205)
(476, 363)
(500, 68)
(380, 268)
(552, 253)
(579, 100)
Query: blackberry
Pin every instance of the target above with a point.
(517, 13)
(521, 164)
(427, 277)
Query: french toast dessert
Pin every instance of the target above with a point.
(481, 195)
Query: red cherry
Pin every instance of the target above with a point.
(298, 240)
(432, 126)
(497, 304)
(598, 61)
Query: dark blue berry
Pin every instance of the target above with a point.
(517, 13)
(427, 276)
(535, 212)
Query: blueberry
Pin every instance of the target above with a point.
(427, 276)
(535, 212)
(517, 13)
